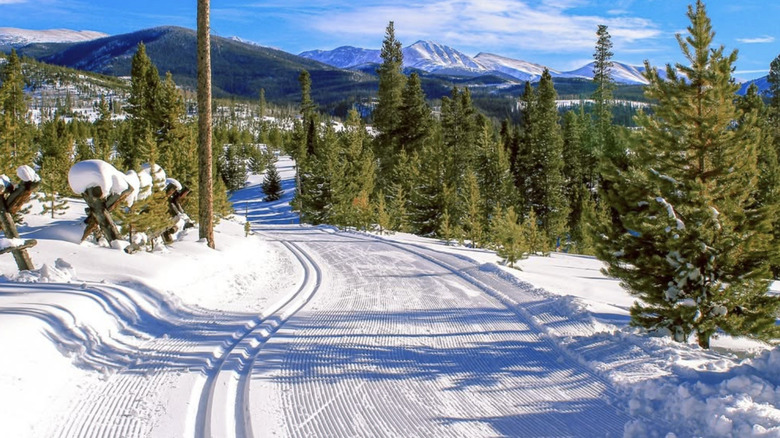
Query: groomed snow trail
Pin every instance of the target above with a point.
(191, 378)
(407, 341)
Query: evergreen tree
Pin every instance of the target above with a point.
(494, 174)
(15, 129)
(447, 230)
(473, 222)
(383, 219)
(352, 174)
(272, 184)
(398, 210)
(509, 237)
(232, 167)
(176, 145)
(103, 140)
(536, 240)
(768, 187)
(386, 115)
(545, 182)
(602, 76)
(690, 240)
(54, 161)
(261, 104)
(414, 127)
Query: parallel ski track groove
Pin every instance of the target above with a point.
(285, 310)
(599, 387)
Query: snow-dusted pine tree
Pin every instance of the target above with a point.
(690, 241)
(272, 183)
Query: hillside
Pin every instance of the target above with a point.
(239, 69)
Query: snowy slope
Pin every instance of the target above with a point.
(621, 73)
(431, 57)
(523, 70)
(13, 37)
(344, 57)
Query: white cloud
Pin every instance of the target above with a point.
(760, 40)
(12, 2)
(549, 27)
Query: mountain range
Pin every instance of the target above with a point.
(433, 57)
(241, 68)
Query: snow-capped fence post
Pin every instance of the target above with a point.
(176, 193)
(100, 212)
(11, 200)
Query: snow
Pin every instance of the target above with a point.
(97, 173)
(27, 174)
(174, 182)
(310, 331)
(9, 243)
(21, 37)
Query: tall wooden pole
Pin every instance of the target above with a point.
(206, 186)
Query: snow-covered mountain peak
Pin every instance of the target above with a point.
(432, 56)
(10, 36)
(523, 70)
(344, 56)
(621, 73)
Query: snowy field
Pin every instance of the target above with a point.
(310, 331)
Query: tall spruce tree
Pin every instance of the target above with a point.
(103, 138)
(690, 240)
(414, 126)
(54, 161)
(545, 192)
(16, 131)
(386, 115)
(602, 76)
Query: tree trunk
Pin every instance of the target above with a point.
(206, 186)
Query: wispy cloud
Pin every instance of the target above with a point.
(766, 39)
(12, 2)
(549, 26)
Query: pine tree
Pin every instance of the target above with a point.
(389, 99)
(398, 210)
(768, 187)
(690, 241)
(142, 108)
(414, 127)
(536, 239)
(272, 184)
(53, 192)
(16, 147)
(473, 222)
(509, 236)
(232, 168)
(383, 219)
(545, 184)
(176, 145)
(448, 231)
(602, 76)
(103, 138)
(261, 104)
(54, 161)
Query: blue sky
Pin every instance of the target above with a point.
(556, 33)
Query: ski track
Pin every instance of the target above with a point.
(225, 359)
(422, 354)
(380, 339)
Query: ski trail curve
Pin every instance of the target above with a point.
(227, 384)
